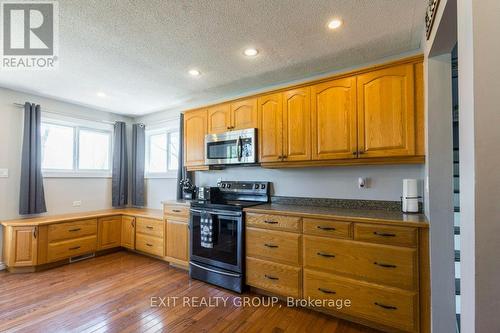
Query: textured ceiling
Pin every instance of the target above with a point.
(139, 52)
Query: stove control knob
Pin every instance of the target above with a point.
(256, 186)
(223, 185)
(228, 185)
(262, 186)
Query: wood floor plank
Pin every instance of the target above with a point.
(113, 293)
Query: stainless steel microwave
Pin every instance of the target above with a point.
(235, 147)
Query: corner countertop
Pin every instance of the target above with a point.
(350, 214)
(49, 219)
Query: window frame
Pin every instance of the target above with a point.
(170, 173)
(78, 125)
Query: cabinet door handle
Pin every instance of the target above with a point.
(326, 291)
(326, 228)
(149, 227)
(384, 234)
(149, 244)
(326, 255)
(271, 245)
(384, 265)
(132, 224)
(176, 210)
(387, 307)
(74, 248)
(270, 277)
(270, 222)
(35, 232)
(75, 230)
(355, 153)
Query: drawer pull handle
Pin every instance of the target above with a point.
(270, 277)
(326, 255)
(176, 210)
(149, 244)
(384, 265)
(387, 307)
(74, 230)
(149, 227)
(74, 248)
(384, 234)
(270, 222)
(326, 228)
(272, 246)
(326, 291)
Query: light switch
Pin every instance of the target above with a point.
(4, 173)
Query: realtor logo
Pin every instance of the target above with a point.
(29, 35)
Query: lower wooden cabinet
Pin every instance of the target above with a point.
(150, 244)
(109, 232)
(177, 240)
(71, 248)
(128, 232)
(21, 246)
(281, 279)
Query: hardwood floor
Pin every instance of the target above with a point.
(113, 293)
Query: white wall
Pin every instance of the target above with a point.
(385, 182)
(95, 193)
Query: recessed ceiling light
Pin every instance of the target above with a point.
(194, 72)
(101, 94)
(251, 52)
(335, 23)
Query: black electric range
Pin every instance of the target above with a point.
(217, 233)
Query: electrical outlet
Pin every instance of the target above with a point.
(77, 203)
(4, 173)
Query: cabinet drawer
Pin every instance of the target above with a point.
(277, 278)
(276, 222)
(174, 210)
(388, 265)
(328, 228)
(387, 306)
(383, 234)
(149, 244)
(71, 248)
(279, 246)
(71, 230)
(150, 227)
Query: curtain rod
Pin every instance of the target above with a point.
(72, 116)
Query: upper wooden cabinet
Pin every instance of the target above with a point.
(271, 128)
(109, 232)
(244, 114)
(334, 119)
(219, 118)
(21, 246)
(195, 129)
(386, 112)
(297, 124)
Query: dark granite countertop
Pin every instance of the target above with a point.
(352, 214)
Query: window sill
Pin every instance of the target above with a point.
(62, 174)
(166, 175)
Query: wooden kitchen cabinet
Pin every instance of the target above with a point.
(21, 246)
(109, 232)
(195, 129)
(128, 232)
(386, 112)
(219, 119)
(177, 241)
(271, 128)
(244, 114)
(297, 124)
(334, 119)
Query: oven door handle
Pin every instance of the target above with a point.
(214, 270)
(216, 212)
(239, 149)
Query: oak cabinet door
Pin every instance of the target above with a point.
(244, 114)
(297, 124)
(128, 232)
(219, 118)
(334, 119)
(177, 240)
(386, 114)
(270, 128)
(195, 129)
(109, 232)
(24, 247)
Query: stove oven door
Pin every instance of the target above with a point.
(227, 246)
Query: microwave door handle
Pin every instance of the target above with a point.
(239, 149)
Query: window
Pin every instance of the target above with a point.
(162, 153)
(75, 150)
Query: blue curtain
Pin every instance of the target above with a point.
(32, 197)
(120, 166)
(138, 160)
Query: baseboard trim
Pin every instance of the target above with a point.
(2, 266)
